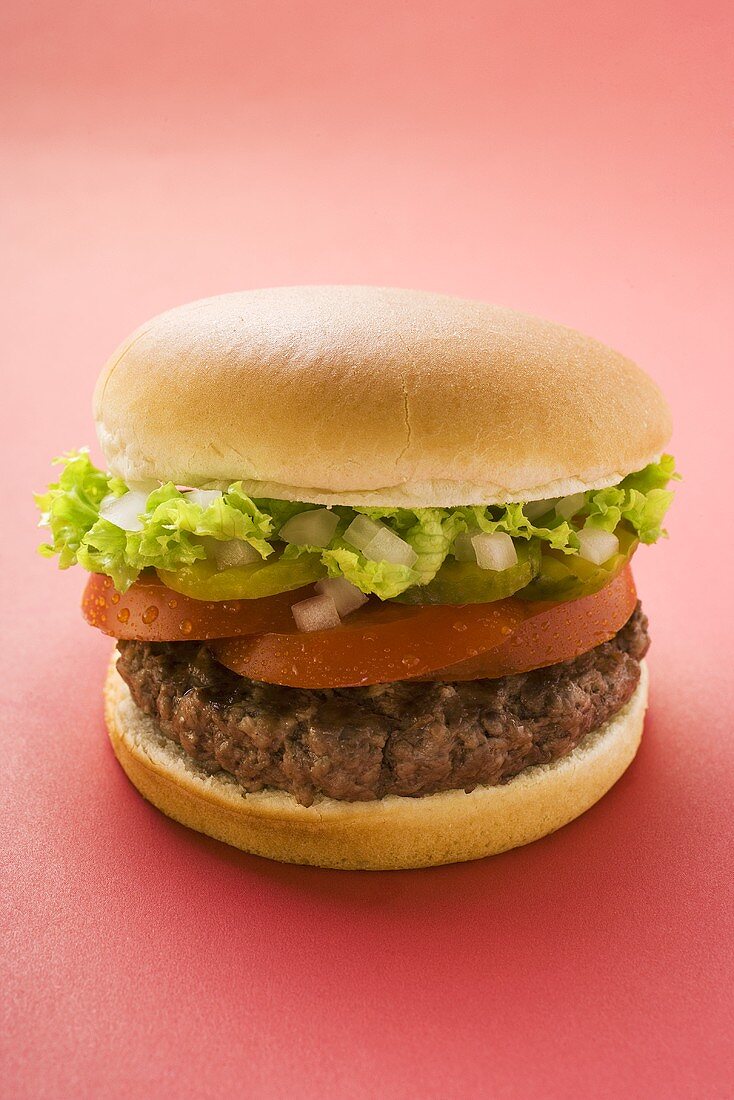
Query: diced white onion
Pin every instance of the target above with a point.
(463, 550)
(203, 497)
(496, 551)
(125, 511)
(597, 546)
(231, 553)
(346, 596)
(316, 613)
(361, 531)
(569, 506)
(389, 547)
(313, 528)
(534, 509)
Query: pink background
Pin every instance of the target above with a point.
(572, 159)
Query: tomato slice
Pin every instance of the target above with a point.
(556, 632)
(150, 611)
(384, 643)
(379, 643)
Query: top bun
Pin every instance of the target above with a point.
(371, 396)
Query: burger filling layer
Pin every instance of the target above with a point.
(221, 544)
(362, 743)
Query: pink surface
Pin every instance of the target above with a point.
(570, 159)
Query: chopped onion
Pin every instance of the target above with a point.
(378, 543)
(534, 509)
(124, 512)
(346, 596)
(316, 613)
(496, 551)
(146, 485)
(597, 546)
(203, 497)
(463, 549)
(231, 553)
(361, 531)
(313, 528)
(389, 547)
(569, 506)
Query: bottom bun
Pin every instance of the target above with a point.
(392, 833)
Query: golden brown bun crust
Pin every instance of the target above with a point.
(364, 395)
(389, 834)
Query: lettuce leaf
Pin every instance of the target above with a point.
(175, 527)
(70, 506)
(511, 519)
(655, 476)
(380, 578)
(429, 532)
(236, 516)
(641, 500)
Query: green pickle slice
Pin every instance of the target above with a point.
(203, 580)
(460, 582)
(567, 576)
(537, 575)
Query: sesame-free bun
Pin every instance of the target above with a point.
(388, 834)
(372, 396)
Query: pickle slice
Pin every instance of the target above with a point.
(204, 581)
(567, 576)
(460, 582)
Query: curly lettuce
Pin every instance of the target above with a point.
(641, 500)
(175, 528)
(430, 533)
(172, 525)
(511, 519)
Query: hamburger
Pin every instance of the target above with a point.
(366, 557)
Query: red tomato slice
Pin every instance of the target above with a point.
(383, 643)
(556, 632)
(151, 612)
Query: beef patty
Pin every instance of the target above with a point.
(361, 743)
